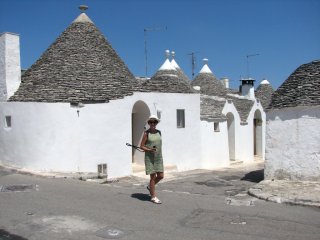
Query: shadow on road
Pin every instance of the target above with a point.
(141, 196)
(254, 176)
(8, 236)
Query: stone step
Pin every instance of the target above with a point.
(236, 162)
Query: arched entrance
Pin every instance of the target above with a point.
(231, 136)
(140, 113)
(257, 134)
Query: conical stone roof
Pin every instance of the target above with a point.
(80, 66)
(167, 79)
(264, 93)
(208, 83)
(302, 88)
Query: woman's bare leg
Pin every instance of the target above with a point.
(152, 184)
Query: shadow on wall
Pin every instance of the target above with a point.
(254, 176)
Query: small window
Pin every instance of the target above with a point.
(216, 127)
(8, 121)
(180, 118)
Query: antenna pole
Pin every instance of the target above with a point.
(145, 44)
(193, 63)
(145, 50)
(250, 55)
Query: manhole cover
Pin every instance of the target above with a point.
(19, 188)
(111, 233)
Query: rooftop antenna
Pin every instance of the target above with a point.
(145, 30)
(250, 55)
(193, 62)
(83, 8)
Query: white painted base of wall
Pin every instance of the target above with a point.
(293, 144)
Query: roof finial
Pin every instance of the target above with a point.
(167, 54)
(173, 53)
(83, 8)
(205, 68)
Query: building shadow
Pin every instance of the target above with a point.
(141, 196)
(254, 176)
(8, 236)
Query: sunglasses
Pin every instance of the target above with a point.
(154, 122)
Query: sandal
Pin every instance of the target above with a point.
(156, 200)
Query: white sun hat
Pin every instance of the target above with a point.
(153, 117)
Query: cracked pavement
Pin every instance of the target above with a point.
(196, 205)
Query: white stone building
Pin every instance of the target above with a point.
(79, 105)
(293, 127)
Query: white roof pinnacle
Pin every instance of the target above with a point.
(173, 62)
(264, 81)
(83, 18)
(167, 64)
(205, 68)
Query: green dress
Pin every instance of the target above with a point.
(153, 161)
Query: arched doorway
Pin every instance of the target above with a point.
(231, 136)
(140, 113)
(257, 134)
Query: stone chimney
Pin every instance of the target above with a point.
(247, 87)
(225, 82)
(10, 69)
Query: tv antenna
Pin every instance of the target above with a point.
(193, 62)
(145, 30)
(250, 55)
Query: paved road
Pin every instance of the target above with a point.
(196, 205)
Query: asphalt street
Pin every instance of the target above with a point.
(196, 205)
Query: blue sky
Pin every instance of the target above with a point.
(285, 33)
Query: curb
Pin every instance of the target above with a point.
(280, 191)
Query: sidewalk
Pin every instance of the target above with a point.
(304, 193)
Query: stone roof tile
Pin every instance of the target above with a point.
(264, 93)
(169, 81)
(242, 105)
(80, 66)
(211, 108)
(209, 85)
(302, 88)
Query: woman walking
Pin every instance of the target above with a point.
(151, 143)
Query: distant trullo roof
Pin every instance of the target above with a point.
(80, 66)
(302, 88)
(208, 83)
(181, 74)
(264, 92)
(167, 79)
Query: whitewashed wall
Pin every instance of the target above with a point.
(230, 108)
(215, 151)
(10, 69)
(293, 144)
(56, 137)
(246, 136)
(181, 146)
